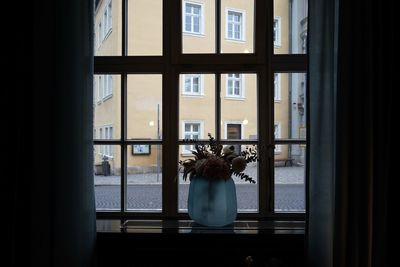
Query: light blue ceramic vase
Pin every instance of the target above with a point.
(212, 203)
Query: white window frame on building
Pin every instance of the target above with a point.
(107, 150)
(236, 79)
(107, 21)
(192, 17)
(105, 87)
(277, 31)
(100, 34)
(187, 149)
(277, 135)
(191, 78)
(277, 87)
(240, 25)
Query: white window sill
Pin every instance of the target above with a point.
(194, 34)
(237, 98)
(241, 41)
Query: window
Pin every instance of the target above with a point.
(277, 135)
(108, 130)
(235, 25)
(177, 72)
(234, 87)
(107, 20)
(193, 84)
(191, 130)
(277, 32)
(193, 18)
(105, 87)
(277, 87)
(109, 17)
(99, 34)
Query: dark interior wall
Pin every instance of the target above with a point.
(53, 199)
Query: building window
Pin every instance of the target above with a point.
(277, 135)
(193, 18)
(234, 85)
(277, 87)
(99, 34)
(235, 25)
(105, 87)
(193, 84)
(108, 131)
(191, 130)
(109, 17)
(277, 31)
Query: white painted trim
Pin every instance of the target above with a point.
(243, 24)
(278, 148)
(278, 41)
(201, 85)
(277, 87)
(103, 148)
(202, 18)
(242, 87)
(201, 134)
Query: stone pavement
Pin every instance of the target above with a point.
(283, 175)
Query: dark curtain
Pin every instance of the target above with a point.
(53, 208)
(350, 83)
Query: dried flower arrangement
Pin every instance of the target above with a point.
(215, 161)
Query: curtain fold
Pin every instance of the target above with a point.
(322, 51)
(54, 190)
(350, 87)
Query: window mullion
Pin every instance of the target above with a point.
(218, 106)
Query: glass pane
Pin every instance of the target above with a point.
(197, 107)
(107, 177)
(246, 192)
(144, 110)
(144, 176)
(290, 178)
(107, 28)
(239, 106)
(237, 26)
(145, 27)
(290, 105)
(198, 27)
(106, 106)
(290, 26)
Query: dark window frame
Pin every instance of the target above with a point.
(171, 64)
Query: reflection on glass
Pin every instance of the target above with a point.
(290, 26)
(107, 177)
(144, 176)
(198, 26)
(106, 103)
(290, 105)
(246, 193)
(145, 27)
(237, 26)
(290, 178)
(196, 106)
(107, 28)
(239, 106)
(144, 110)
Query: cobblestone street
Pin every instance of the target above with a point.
(144, 191)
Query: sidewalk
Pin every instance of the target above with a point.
(283, 175)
